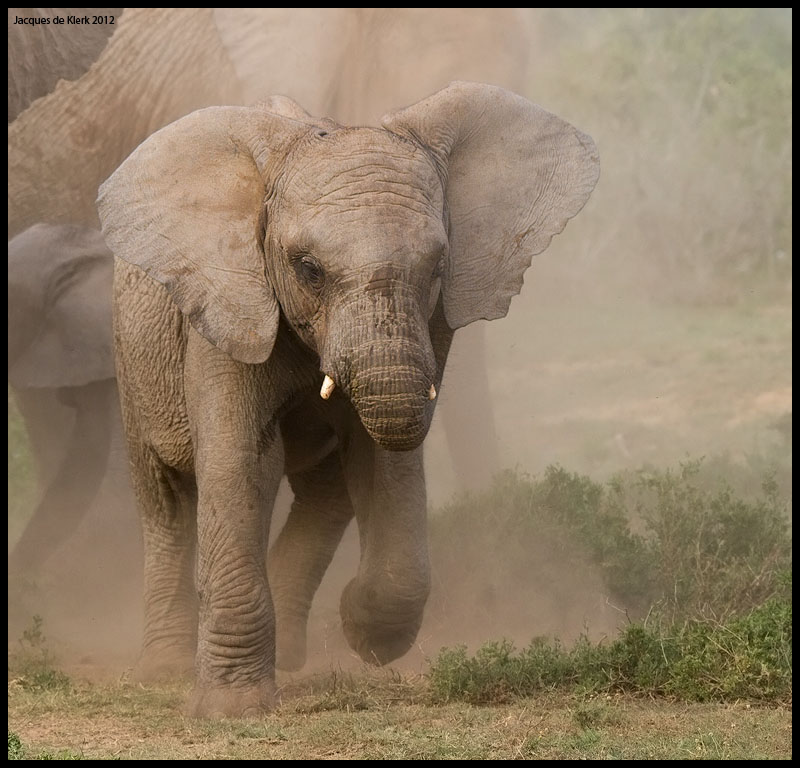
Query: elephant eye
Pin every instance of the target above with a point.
(438, 270)
(309, 270)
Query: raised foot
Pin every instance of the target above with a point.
(377, 638)
(232, 701)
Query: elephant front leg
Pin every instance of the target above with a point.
(238, 465)
(382, 607)
(236, 635)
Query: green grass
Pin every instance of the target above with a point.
(16, 751)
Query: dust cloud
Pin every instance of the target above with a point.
(656, 327)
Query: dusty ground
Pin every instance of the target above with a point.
(380, 716)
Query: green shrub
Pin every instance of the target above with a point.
(711, 554)
(494, 537)
(709, 573)
(749, 657)
(767, 462)
(696, 552)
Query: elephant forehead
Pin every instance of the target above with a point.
(373, 234)
(358, 174)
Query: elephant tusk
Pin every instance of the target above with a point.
(432, 393)
(327, 387)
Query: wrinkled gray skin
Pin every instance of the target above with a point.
(157, 65)
(60, 361)
(39, 55)
(256, 250)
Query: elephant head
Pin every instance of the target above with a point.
(354, 237)
(59, 307)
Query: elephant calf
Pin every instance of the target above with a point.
(61, 370)
(285, 293)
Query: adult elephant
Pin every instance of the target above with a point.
(262, 253)
(61, 370)
(157, 65)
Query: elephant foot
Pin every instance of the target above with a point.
(247, 702)
(160, 664)
(290, 655)
(377, 638)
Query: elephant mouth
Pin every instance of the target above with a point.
(396, 432)
(395, 413)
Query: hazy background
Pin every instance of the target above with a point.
(656, 327)
(684, 249)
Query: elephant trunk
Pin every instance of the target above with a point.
(384, 363)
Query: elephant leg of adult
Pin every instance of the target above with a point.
(239, 463)
(303, 551)
(167, 501)
(467, 411)
(382, 607)
(77, 480)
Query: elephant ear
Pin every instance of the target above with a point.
(185, 208)
(59, 307)
(515, 174)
